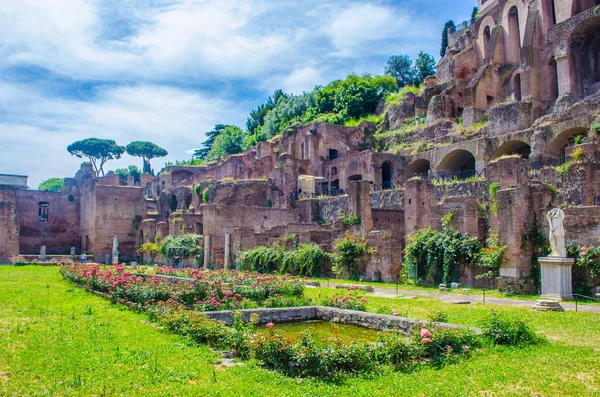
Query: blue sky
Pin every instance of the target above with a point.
(167, 71)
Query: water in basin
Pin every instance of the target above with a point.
(325, 329)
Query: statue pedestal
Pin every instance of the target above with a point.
(556, 277)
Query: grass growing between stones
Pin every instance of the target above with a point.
(56, 339)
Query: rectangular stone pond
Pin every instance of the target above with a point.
(369, 321)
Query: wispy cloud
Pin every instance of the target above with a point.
(168, 70)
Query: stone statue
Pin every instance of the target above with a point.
(556, 233)
(115, 245)
(115, 251)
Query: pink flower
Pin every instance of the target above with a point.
(465, 348)
(364, 300)
(426, 340)
(394, 313)
(271, 325)
(448, 347)
(425, 333)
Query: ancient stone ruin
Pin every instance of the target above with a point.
(515, 102)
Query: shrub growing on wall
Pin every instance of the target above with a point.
(306, 260)
(260, 259)
(437, 256)
(205, 196)
(351, 256)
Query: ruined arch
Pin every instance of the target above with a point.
(556, 148)
(512, 147)
(514, 36)
(459, 163)
(419, 167)
(387, 174)
(181, 176)
(584, 51)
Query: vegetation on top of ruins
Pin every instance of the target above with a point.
(97, 151)
(132, 170)
(51, 185)
(206, 196)
(447, 25)
(401, 68)
(147, 151)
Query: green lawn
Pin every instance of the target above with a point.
(58, 340)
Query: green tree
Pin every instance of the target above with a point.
(401, 68)
(424, 67)
(147, 151)
(202, 153)
(52, 185)
(132, 170)
(474, 13)
(229, 141)
(257, 116)
(447, 25)
(98, 151)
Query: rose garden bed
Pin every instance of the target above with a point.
(200, 304)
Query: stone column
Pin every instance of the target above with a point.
(43, 253)
(107, 260)
(227, 260)
(359, 204)
(207, 253)
(556, 278)
(563, 70)
(73, 254)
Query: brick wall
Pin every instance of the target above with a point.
(59, 233)
(9, 223)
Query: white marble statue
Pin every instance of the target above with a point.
(556, 233)
(115, 244)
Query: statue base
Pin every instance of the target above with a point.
(548, 305)
(556, 277)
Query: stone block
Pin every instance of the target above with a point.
(556, 277)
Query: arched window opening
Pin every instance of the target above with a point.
(43, 208)
(514, 36)
(486, 42)
(584, 57)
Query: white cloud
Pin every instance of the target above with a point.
(172, 118)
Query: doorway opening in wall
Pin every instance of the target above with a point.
(141, 237)
(199, 228)
(173, 203)
(458, 164)
(387, 175)
(490, 101)
(517, 87)
(333, 154)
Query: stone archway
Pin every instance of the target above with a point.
(419, 167)
(556, 148)
(512, 147)
(459, 163)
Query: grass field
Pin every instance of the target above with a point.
(58, 340)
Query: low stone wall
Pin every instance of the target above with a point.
(378, 322)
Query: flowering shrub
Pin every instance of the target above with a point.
(209, 290)
(350, 301)
(18, 260)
